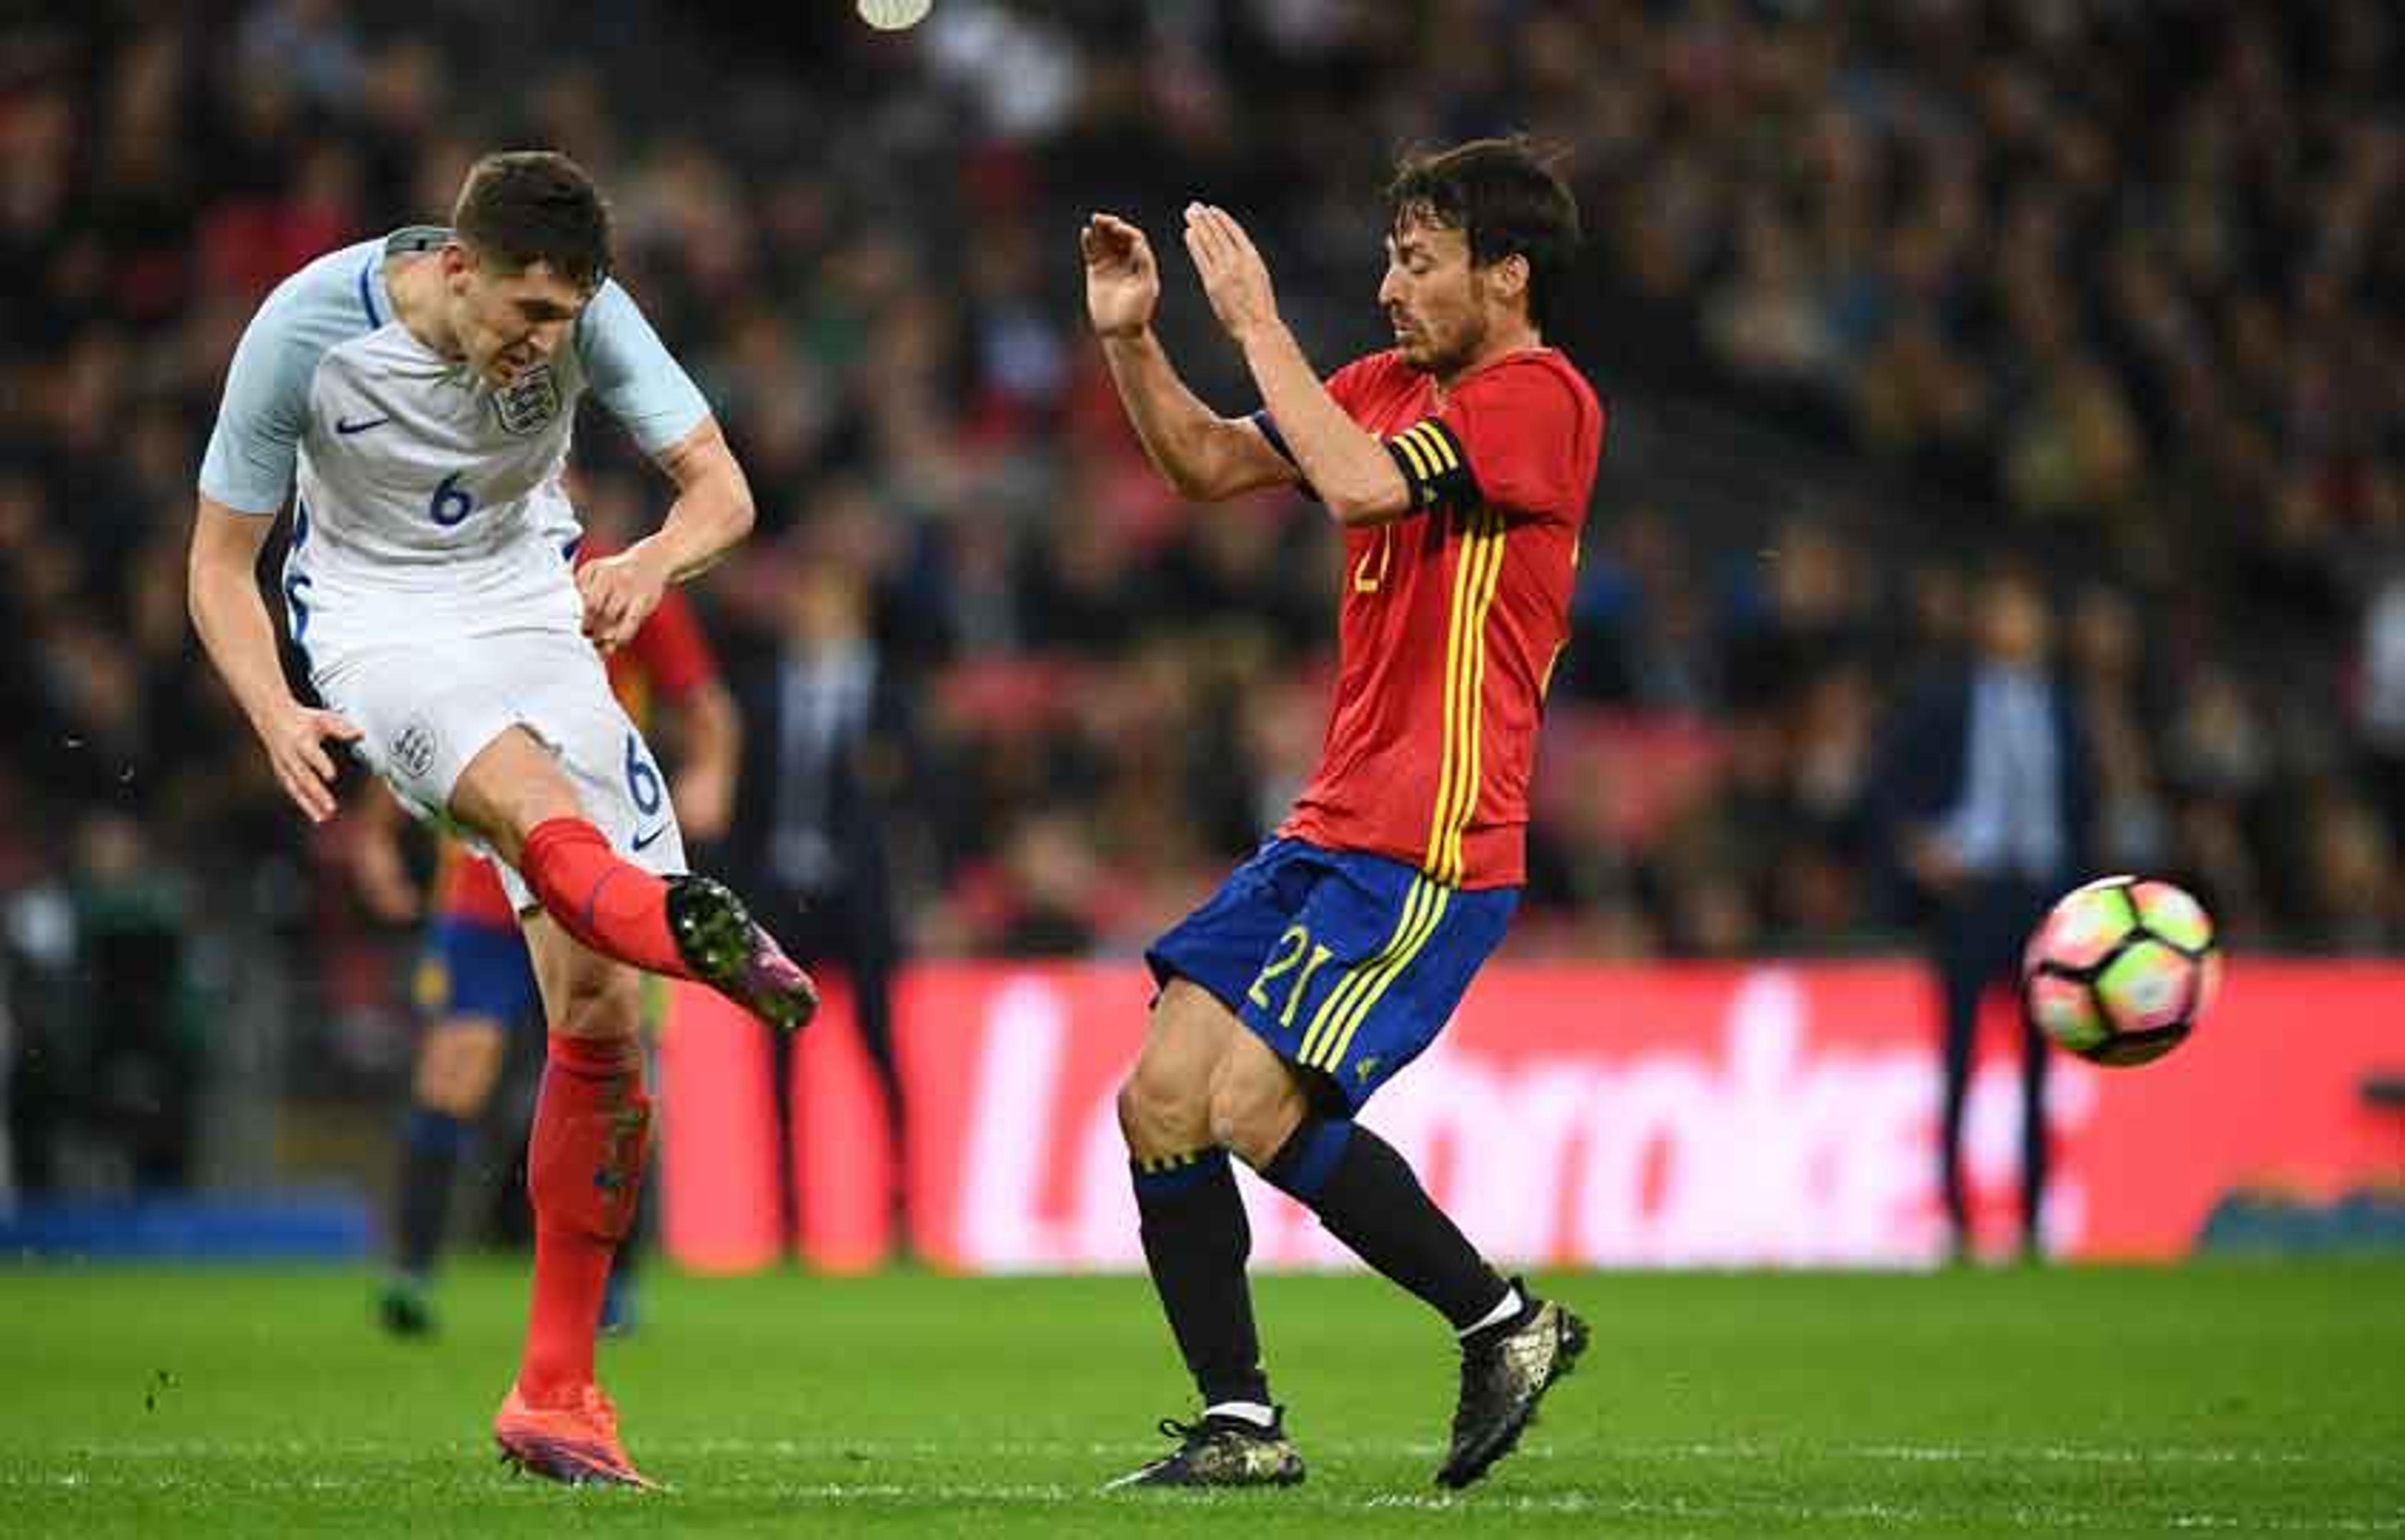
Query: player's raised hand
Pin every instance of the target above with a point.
(620, 593)
(1234, 278)
(1122, 281)
(296, 739)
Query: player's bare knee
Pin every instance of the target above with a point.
(438, 1087)
(1252, 1114)
(457, 1063)
(1254, 1126)
(454, 1096)
(1161, 1112)
(596, 997)
(431, 1082)
(478, 1070)
(614, 1015)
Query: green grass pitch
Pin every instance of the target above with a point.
(2257, 1400)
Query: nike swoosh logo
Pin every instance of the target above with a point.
(642, 841)
(345, 427)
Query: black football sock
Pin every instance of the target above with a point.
(1196, 1240)
(1368, 1198)
(432, 1143)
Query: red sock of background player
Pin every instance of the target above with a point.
(612, 906)
(584, 1167)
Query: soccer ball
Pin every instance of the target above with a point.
(893, 15)
(2121, 970)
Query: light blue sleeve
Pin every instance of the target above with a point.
(249, 465)
(631, 371)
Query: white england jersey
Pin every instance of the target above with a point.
(430, 502)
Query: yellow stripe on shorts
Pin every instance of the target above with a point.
(1431, 915)
(1422, 901)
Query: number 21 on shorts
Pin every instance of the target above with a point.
(1286, 958)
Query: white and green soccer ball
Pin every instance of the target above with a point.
(2121, 970)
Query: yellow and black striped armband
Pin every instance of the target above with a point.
(1433, 464)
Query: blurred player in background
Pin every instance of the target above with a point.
(1459, 463)
(414, 396)
(474, 983)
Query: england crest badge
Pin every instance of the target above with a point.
(527, 405)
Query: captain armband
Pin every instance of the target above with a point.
(1433, 466)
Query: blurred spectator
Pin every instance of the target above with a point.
(1052, 871)
(145, 1047)
(1991, 795)
(2353, 900)
(829, 759)
(2104, 666)
(2380, 696)
(109, 1073)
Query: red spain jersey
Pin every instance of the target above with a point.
(666, 660)
(1452, 615)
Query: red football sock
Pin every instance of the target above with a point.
(584, 1167)
(612, 906)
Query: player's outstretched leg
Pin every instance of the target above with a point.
(585, 1163)
(1514, 1346)
(685, 927)
(725, 948)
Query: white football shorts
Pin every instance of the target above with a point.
(425, 712)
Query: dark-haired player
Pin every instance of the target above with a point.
(1459, 463)
(415, 395)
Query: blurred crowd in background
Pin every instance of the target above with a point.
(1877, 290)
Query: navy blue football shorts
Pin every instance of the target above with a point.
(470, 968)
(1346, 965)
